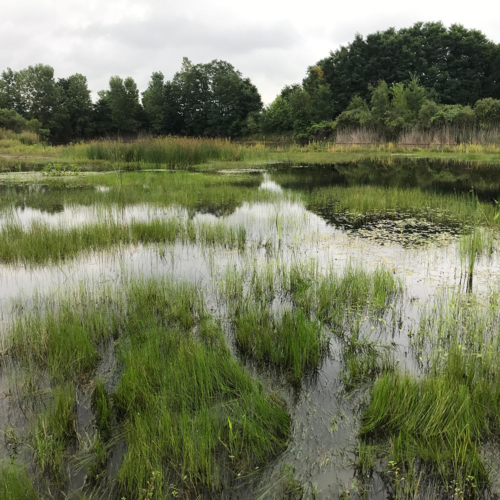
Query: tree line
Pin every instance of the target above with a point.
(423, 76)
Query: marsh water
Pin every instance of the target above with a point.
(322, 450)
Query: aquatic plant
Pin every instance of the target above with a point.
(40, 243)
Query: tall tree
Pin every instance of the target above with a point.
(78, 105)
(214, 98)
(456, 65)
(125, 108)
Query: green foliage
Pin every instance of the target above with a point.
(455, 114)
(11, 120)
(487, 112)
(58, 170)
(357, 114)
(277, 117)
(430, 50)
(124, 106)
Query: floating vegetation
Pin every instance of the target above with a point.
(408, 232)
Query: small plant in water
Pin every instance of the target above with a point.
(57, 170)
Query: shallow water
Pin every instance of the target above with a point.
(325, 417)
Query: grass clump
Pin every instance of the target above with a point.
(296, 339)
(103, 410)
(337, 296)
(193, 414)
(366, 364)
(15, 483)
(41, 243)
(292, 342)
(169, 151)
(54, 429)
(63, 334)
(437, 424)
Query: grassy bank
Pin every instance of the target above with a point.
(179, 152)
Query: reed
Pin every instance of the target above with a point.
(169, 151)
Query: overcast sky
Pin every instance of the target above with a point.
(271, 42)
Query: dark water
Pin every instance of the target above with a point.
(325, 415)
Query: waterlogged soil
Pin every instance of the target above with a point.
(325, 412)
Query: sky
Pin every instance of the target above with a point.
(271, 42)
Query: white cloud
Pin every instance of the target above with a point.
(270, 41)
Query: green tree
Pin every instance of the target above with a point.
(11, 120)
(380, 103)
(153, 100)
(277, 117)
(456, 65)
(125, 108)
(8, 90)
(356, 115)
(78, 106)
(487, 112)
(453, 114)
(214, 99)
(102, 122)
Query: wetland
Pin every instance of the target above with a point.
(251, 330)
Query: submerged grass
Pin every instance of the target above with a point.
(54, 430)
(295, 335)
(192, 417)
(434, 426)
(40, 243)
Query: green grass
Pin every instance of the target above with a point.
(62, 336)
(40, 243)
(54, 430)
(204, 192)
(432, 427)
(337, 296)
(103, 409)
(168, 151)
(15, 483)
(292, 342)
(358, 201)
(192, 417)
(296, 340)
(193, 413)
